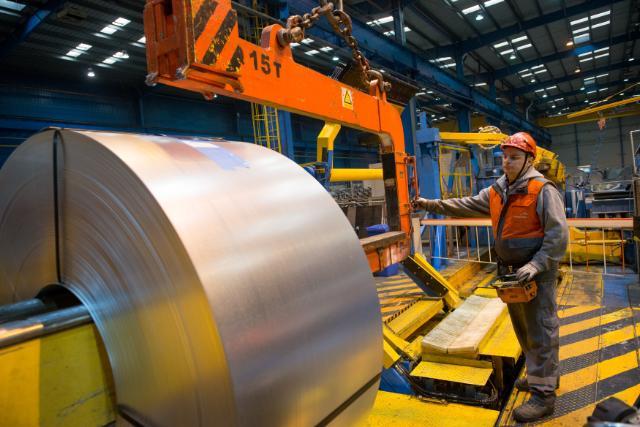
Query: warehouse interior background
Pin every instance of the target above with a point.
(465, 74)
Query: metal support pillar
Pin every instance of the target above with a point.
(428, 180)
(409, 113)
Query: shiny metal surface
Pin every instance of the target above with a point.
(227, 286)
(22, 309)
(42, 324)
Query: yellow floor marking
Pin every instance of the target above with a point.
(592, 344)
(597, 372)
(594, 321)
(568, 312)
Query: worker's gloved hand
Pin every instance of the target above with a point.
(526, 273)
(420, 203)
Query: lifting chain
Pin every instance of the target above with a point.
(340, 21)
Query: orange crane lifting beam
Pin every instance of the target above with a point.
(194, 45)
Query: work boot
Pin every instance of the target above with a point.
(536, 407)
(523, 385)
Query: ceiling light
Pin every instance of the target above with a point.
(444, 58)
(307, 41)
(512, 57)
(142, 40)
(479, 17)
(586, 59)
(312, 52)
(602, 75)
(91, 73)
(7, 4)
(526, 75)
(598, 15)
(551, 87)
(109, 29)
(121, 55)
(471, 9)
(480, 84)
(591, 91)
(581, 38)
(326, 49)
(121, 22)
(537, 66)
(539, 90)
(109, 60)
(504, 52)
(524, 46)
(84, 46)
(545, 95)
(626, 80)
(600, 24)
(602, 55)
(335, 58)
(603, 89)
(579, 21)
(601, 50)
(577, 70)
(532, 80)
(539, 71)
(294, 44)
(580, 30)
(380, 21)
(631, 59)
(74, 53)
(569, 43)
(492, 2)
(519, 39)
(584, 54)
(499, 45)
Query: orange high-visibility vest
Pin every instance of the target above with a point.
(517, 230)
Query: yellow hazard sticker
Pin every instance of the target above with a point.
(347, 98)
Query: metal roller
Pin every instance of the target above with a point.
(227, 286)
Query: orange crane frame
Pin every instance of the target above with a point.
(194, 45)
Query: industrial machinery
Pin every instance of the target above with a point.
(207, 286)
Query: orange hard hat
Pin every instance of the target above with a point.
(522, 141)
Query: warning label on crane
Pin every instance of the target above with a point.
(347, 98)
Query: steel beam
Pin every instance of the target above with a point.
(513, 69)
(550, 122)
(386, 52)
(492, 37)
(605, 69)
(21, 33)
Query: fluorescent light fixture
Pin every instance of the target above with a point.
(519, 39)
(492, 2)
(121, 22)
(91, 73)
(480, 84)
(504, 52)
(513, 56)
(380, 21)
(551, 87)
(444, 58)
(586, 59)
(581, 38)
(420, 94)
(579, 21)
(499, 45)
(335, 58)
(110, 60)
(294, 44)
(603, 89)
(600, 24)
(539, 71)
(540, 90)
(74, 53)
(524, 71)
(11, 5)
(307, 41)
(109, 29)
(84, 47)
(121, 55)
(545, 95)
(589, 78)
(142, 40)
(631, 59)
(557, 99)
(312, 52)
(598, 15)
(537, 66)
(326, 49)
(577, 70)
(602, 55)
(479, 17)
(601, 50)
(602, 75)
(626, 80)
(532, 80)
(524, 46)
(449, 65)
(526, 75)
(580, 30)
(591, 91)
(471, 9)
(584, 54)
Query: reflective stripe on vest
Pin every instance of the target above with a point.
(517, 230)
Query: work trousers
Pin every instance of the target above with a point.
(537, 327)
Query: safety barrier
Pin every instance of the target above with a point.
(597, 243)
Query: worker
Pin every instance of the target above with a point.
(530, 233)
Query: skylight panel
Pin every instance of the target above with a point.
(579, 21)
(471, 9)
(7, 4)
(380, 21)
(600, 24)
(581, 38)
(601, 14)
